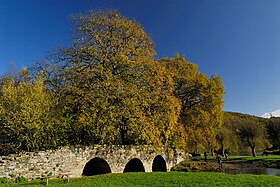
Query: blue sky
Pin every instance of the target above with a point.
(238, 40)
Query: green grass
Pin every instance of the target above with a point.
(245, 158)
(271, 161)
(270, 157)
(164, 179)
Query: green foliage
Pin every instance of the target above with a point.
(273, 131)
(4, 180)
(21, 179)
(244, 131)
(188, 166)
(271, 161)
(249, 158)
(223, 138)
(250, 133)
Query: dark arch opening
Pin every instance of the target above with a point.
(96, 166)
(159, 164)
(134, 165)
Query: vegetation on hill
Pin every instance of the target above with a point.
(273, 132)
(241, 132)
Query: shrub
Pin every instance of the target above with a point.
(4, 180)
(188, 166)
(21, 179)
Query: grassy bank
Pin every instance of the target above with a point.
(243, 158)
(163, 179)
(271, 161)
(250, 158)
(197, 178)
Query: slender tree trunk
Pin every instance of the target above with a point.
(212, 151)
(252, 146)
(253, 151)
(223, 150)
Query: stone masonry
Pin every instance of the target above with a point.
(71, 161)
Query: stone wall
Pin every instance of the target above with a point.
(72, 160)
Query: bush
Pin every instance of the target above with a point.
(4, 180)
(188, 166)
(21, 179)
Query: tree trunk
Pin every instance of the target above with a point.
(252, 146)
(223, 150)
(212, 151)
(253, 151)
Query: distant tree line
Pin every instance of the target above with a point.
(108, 88)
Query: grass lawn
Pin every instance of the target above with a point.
(163, 179)
(270, 157)
(247, 158)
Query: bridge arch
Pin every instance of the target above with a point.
(134, 165)
(159, 164)
(96, 166)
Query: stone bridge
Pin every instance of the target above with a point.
(86, 161)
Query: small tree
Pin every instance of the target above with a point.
(223, 138)
(250, 133)
(273, 131)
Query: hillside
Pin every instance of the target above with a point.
(247, 134)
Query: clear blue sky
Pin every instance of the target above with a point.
(238, 40)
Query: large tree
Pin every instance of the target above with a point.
(110, 85)
(114, 91)
(201, 99)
